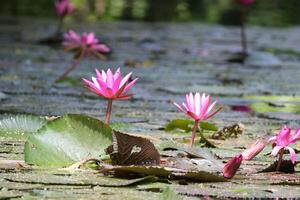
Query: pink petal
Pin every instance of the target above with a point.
(185, 106)
(129, 85)
(92, 87)
(191, 105)
(292, 154)
(110, 78)
(295, 137)
(210, 107)
(125, 79)
(197, 104)
(98, 74)
(124, 97)
(117, 81)
(272, 139)
(283, 138)
(104, 76)
(179, 107)
(117, 73)
(204, 106)
(276, 149)
(96, 83)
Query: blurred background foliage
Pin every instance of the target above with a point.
(263, 12)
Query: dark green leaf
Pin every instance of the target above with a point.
(66, 140)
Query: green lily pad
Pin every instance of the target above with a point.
(67, 140)
(282, 108)
(186, 125)
(20, 126)
(181, 124)
(274, 98)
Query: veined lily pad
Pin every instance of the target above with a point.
(66, 140)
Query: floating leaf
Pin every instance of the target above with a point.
(208, 126)
(169, 194)
(182, 124)
(132, 150)
(272, 98)
(186, 125)
(66, 140)
(282, 108)
(20, 126)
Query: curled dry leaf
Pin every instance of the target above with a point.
(132, 150)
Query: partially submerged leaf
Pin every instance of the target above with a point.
(66, 140)
(132, 150)
(20, 126)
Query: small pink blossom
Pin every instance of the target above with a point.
(246, 2)
(87, 43)
(283, 140)
(198, 107)
(232, 166)
(111, 86)
(63, 7)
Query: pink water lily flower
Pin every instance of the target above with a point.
(199, 108)
(245, 2)
(63, 7)
(87, 44)
(282, 142)
(83, 45)
(110, 86)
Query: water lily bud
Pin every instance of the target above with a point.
(232, 166)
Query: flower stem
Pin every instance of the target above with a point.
(74, 64)
(108, 111)
(243, 32)
(195, 128)
(280, 155)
